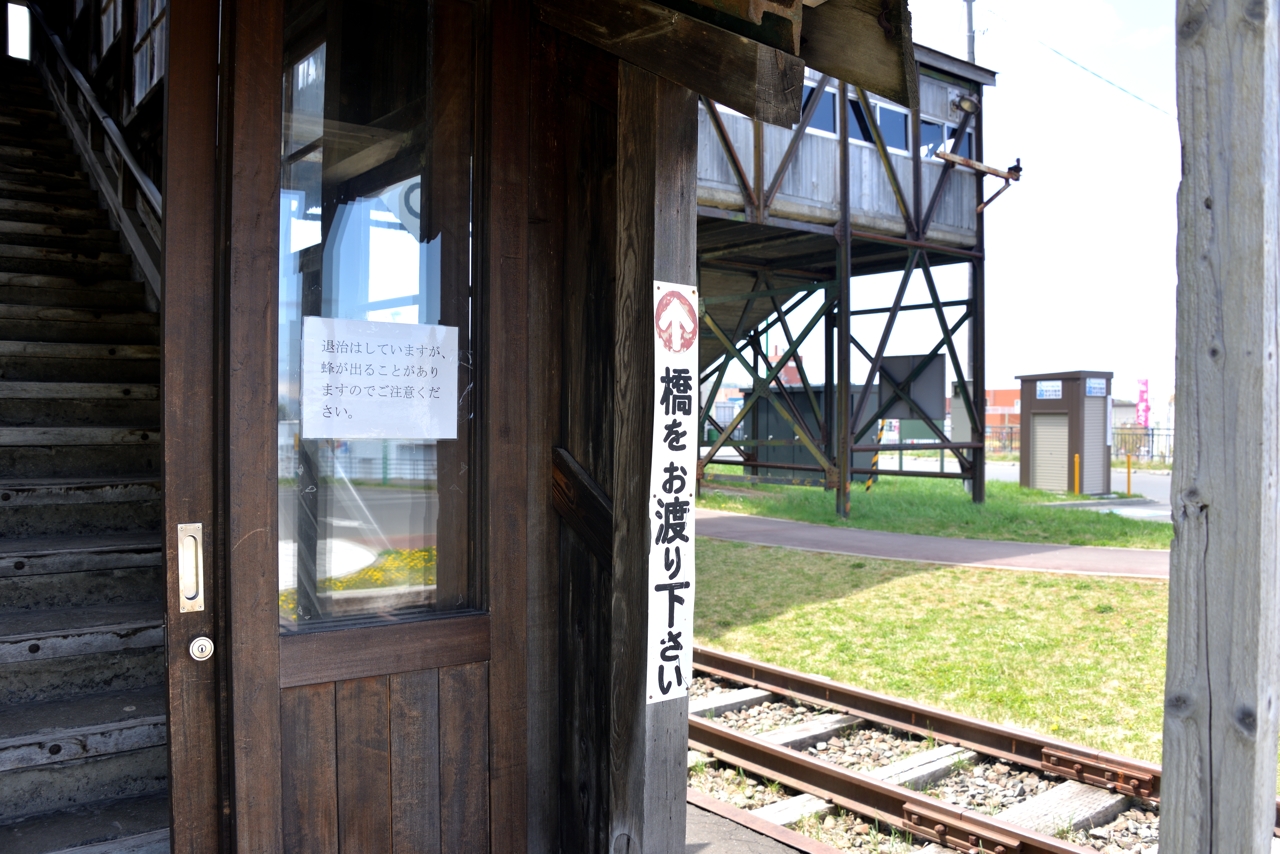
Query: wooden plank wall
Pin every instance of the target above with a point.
(572, 239)
(1223, 665)
(387, 763)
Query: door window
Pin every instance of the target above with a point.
(376, 379)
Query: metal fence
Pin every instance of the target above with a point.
(1143, 443)
(1004, 439)
(366, 468)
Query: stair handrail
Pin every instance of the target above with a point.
(109, 126)
(142, 237)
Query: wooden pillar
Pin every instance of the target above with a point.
(657, 235)
(1221, 702)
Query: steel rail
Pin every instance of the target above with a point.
(1072, 761)
(869, 797)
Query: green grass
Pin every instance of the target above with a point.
(1078, 658)
(943, 508)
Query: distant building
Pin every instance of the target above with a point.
(1124, 413)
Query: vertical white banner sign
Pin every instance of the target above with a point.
(672, 478)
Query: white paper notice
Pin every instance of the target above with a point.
(672, 478)
(367, 380)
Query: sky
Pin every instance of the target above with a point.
(1080, 253)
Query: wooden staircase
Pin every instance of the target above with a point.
(83, 761)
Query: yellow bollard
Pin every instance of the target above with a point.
(1077, 474)
(1128, 476)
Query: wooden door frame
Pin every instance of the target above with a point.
(189, 388)
(258, 663)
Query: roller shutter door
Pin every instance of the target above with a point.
(1094, 460)
(1049, 452)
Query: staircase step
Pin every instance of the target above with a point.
(132, 585)
(31, 635)
(45, 362)
(69, 283)
(45, 555)
(49, 324)
(78, 391)
(83, 296)
(81, 782)
(76, 675)
(44, 733)
(131, 826)
(17, 167)
(60, 491)
(73, 315)
(85, 460)
(51, 213)
(39, 259)
(128, 509)
(38, 436)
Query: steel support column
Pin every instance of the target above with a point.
(842, 313)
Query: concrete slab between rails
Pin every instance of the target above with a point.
(1070, 804)
(928, 766)
(714, 827)
(790, 810)
(989, 554)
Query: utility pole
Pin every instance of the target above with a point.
(969, 10)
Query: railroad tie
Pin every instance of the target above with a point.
(1069, 804)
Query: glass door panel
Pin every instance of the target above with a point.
(376, 380)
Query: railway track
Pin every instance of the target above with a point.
(1093, 785)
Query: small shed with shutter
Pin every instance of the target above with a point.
(1066, 414)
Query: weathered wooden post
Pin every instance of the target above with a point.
(657, 230)
(1221, 703)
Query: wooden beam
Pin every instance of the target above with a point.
(657, 236)
(865, 45)
(1221, 702)
(756, 80)
(582, 504)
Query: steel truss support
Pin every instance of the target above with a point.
(843, 419)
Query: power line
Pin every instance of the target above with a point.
(1089, 70)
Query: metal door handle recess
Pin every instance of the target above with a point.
(191, 567)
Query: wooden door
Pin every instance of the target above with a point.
(367, 710)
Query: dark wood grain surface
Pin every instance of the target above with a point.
(633, 424)
(844, 38)
(363, 737)
(252, 559)
(315, 657)
(415, 762)
(657, 231)
(583, 505)
(675, 260)
(464, 750)
(506, 376)
(309, 770)
(190, 391)
(756, 80)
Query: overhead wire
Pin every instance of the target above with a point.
(1087, 69)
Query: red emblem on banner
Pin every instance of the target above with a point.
(676, 322)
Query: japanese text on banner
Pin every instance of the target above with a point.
(672, 479)
(364, 379)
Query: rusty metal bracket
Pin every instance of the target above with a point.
(1095, 772)
(945, 829)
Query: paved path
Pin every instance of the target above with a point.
(1085, 560)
